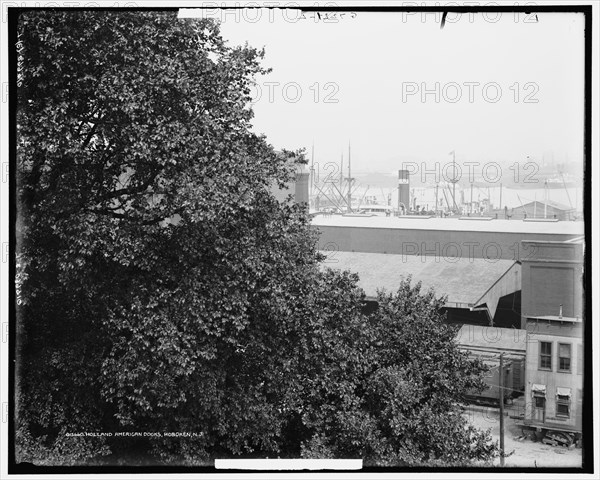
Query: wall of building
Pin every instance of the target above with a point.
(301, 188)
(440, 243)
(508, 312)
(552, 274)
(554, 332)
(298, 188)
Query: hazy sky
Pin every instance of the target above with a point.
(525, 99)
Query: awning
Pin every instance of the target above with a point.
(563, 392)
(539, 389)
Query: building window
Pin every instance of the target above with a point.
(579, 359)
(563, 402)
(546, 355)
(562, 409)
(564, 357)
(540, 402)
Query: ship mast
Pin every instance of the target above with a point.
(349, 181)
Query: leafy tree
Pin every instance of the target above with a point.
(390, 388)
(149, 240)
(163, 288)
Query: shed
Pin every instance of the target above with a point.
(548, 209)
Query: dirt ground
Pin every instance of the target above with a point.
(527, 453)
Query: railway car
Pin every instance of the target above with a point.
(487, 344)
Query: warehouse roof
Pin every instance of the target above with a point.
(463, 224)
(467, 282)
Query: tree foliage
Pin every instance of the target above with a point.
(163, 288)
(391, 387)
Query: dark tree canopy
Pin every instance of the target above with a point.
(163, 288)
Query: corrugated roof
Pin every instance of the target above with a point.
(463, 280)
(450, 224)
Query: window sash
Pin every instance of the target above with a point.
(563, 409)
(563, 405)
(564, 357)
(546, 348)
(564, 364)
(545, 355)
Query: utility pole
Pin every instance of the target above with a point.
(312, 172)
(501, 385)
